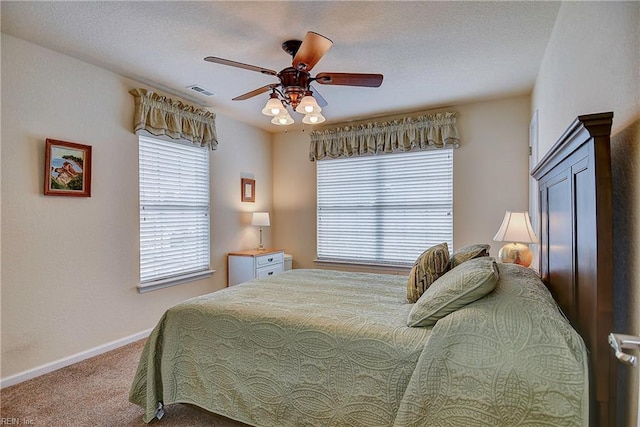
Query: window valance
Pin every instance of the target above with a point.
(160, 115)
(437, 130)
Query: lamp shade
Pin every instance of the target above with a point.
(516, 227)
(273, 107)
(313, 119)
(308, 105)
(282, 120)
(260, 219)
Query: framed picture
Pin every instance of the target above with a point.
(248, 190)
(67, 169)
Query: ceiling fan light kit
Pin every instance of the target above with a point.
(294, 88)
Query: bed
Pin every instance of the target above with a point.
(328, 348)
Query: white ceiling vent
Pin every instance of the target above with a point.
(201, 90)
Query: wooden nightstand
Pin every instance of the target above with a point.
(247, 265)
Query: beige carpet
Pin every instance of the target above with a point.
(93, 392)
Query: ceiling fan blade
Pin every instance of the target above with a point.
(313, 47)
(350, 79)
(240, 65)
(319, 99)
(255, 92)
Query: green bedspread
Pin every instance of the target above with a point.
(328, 348)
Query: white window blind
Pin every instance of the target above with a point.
(384, 209)
(174, 212)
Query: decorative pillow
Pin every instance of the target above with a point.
(457, 288)
(469, 252)
(430, 265)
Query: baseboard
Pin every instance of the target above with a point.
(61, 363)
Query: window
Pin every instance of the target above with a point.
(174, 213)
(384, 209)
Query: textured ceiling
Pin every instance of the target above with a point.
(431, 53)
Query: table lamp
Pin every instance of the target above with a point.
(260, 219)
(516, 229)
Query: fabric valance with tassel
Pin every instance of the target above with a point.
(437, 130)
(160, 115)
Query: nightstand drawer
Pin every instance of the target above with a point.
(243, 266)
(270, 259)
(269, 271)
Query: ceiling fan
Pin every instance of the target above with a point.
(294, 86)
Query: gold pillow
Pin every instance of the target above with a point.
(469, 252)
(430, 265)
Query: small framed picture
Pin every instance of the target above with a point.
(248, 188)
(67, 169)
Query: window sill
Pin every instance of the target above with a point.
(173, 281)
(404, 269)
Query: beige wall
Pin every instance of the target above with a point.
(70, 265)
(490, 176)
(591, 65)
